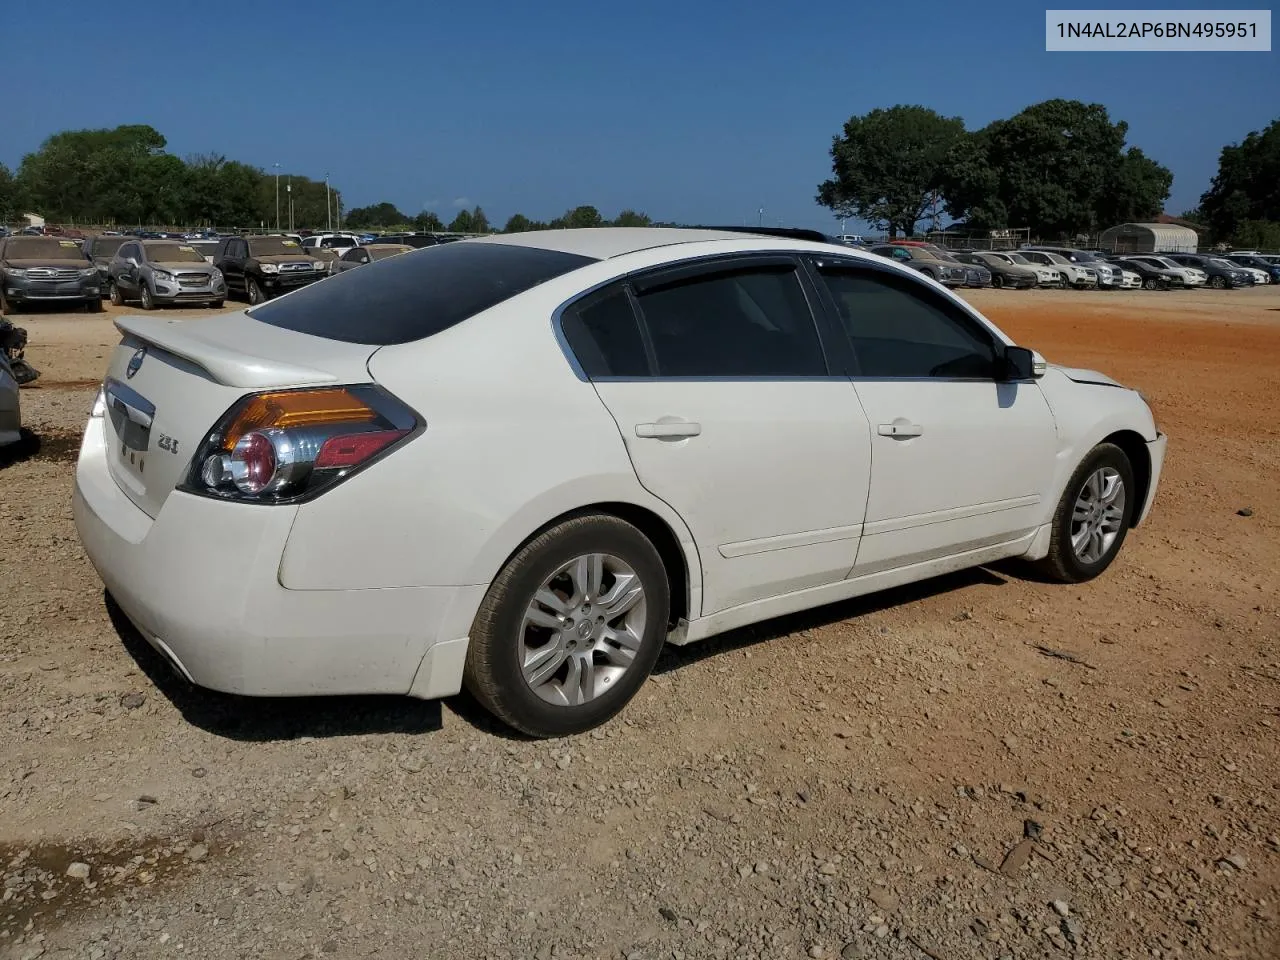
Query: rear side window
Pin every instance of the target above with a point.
(413, 296)
(603, 334)
(753, 322)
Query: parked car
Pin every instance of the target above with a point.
(1255, 262)
(1125, 279)
(925, 261)
(101, 250)
(322, 513)
(415, 240)
(14, 372)
(975, 275)
(162, 272)
(206, 248)
(339, 243)
(1074, 275)
(1108, 274)
(1219, 273)
(358, 256)
(46, 269)
(1155, 275)
(1005, 271)
(263, 267)
(1192, 276)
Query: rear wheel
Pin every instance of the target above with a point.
(1093, 516)
(254, 291)
(1150, 283)
(997, 281)
(570, 628)
(1218, 283)
(144, 296)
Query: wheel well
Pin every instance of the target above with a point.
(1135, 448)
(659, 534)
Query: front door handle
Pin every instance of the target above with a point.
(900, 428)
(668, 430)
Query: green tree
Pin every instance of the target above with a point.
(518, 223)
(887, 164)
(1257, 235)
(1059, 167)
(428, 222)
(378, 215)
(1247, 184)
(630, 218)
(8, 195)
(470, 221)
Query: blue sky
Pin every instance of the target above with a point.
(700, 111)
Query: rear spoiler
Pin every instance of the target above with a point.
(227, 366)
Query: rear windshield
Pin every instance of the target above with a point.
(107, 246)
(173, 253)
(411, 297)
(42, 248)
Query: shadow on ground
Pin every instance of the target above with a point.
(264, 719)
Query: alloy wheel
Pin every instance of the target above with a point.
(1097, 515)
(582, 629)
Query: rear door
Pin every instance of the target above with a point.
(716, 377)
(960, 460)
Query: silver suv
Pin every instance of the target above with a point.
(157, 272)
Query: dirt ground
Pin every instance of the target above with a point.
(904, 776)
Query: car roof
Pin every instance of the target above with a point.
(604, 243)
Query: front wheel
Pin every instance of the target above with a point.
(144, 296)
(216, 305)
(94, 305)
(570, 628)
(1092, 517)
(1150, 283)
(255, 292)
(1218, 283)
(997, 281)
(117, 298)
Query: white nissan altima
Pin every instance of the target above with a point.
(525, 462)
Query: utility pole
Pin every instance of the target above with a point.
(327, 212)
(760, 217)
(277, 166)
(289, 190)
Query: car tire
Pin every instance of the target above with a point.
(253, 291)
(548, 584)
(144, 296)
(216, 305)
(1089, 525)
(5, 307)
(94, 305)
(997, 281)
(117, 298)
(1150, 283)
(1218, 283)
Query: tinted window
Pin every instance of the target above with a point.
(899, 328)
(413, 296)
(603, 334)
(107, 246)
(746, 323)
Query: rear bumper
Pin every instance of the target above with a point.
(201, 583)
(1155, 451)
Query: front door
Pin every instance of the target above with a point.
(960, 459)
(728, 411)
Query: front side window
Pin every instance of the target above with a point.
(899, 328)
(748, 322)
(604, 334)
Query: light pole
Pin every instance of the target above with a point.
(277, 166)
(327, 212)
(760, 217)
(288, 189)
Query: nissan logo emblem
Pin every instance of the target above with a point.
(135, 362)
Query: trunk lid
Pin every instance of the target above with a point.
(169, 382)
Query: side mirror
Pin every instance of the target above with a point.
(132, 261)
(1021, 363)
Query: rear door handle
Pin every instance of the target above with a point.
(900, 428)
(668, 430)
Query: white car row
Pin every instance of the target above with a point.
(525, 462)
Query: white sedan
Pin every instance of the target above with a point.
(526, 462)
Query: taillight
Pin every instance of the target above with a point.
(282, 446)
